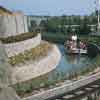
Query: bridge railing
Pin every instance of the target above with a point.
(58, 91)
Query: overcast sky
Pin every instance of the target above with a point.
(50, 7)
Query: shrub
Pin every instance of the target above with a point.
(17, 38)
(32, 54)
(4, 11)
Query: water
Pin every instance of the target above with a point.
(72, 62)
(68, 64)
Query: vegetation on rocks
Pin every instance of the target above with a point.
(17, 38)
(34, 85)
(61, 38)
(4, 11)
(67, 24)
(89, 70)
(43, 83)
(90, 39)
(32, 54)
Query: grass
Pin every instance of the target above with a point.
(29, 86)
(32, 54)
(4, 11)
(17, 38)
(90, 68)
(42, 82)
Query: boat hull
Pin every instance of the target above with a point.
(76, 51)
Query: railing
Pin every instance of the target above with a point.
(59, 91)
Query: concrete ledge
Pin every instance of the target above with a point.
(19, 47)
(64, 89)
(8, 93)
(37, 68)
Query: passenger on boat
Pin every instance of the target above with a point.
(82, 45)
(74, 37)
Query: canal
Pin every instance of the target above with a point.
(68, 65)
(67, 68)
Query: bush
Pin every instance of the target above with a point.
(32, 54)
(17, 38)
(4, 10)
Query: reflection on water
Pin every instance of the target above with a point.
(71, 62)
(67, 65)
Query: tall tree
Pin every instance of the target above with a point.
(33, 25)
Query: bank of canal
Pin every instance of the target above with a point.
(69, 68)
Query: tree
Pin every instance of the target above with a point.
(63, 20)
(33, 25)
(53, 24)
(43, 25)
(69, 29)
(84, 29)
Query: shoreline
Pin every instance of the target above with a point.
(37, 68)
(50, 93)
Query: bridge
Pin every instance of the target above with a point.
(91, 91)
(75, 90)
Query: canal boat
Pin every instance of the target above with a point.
(75, 46)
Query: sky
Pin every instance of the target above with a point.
(50, 7)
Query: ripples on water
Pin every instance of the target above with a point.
(69, 64)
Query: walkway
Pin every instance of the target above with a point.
(80, 92)
(71, 91)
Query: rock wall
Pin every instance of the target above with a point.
(37, 68)
(19, 47)
(5, 68)
(13, 25)
(8, 93)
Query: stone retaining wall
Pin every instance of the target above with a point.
(37, 68)
(19, 47)
(11, 25)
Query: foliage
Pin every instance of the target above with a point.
(63, 23)
(90, 39)
(32, 54)
(43, 82)
(4, 10)
(33, 26)
(52, 24)
(84, 29)
(17, 38)
(43, 23)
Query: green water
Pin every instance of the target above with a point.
(68, 66)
